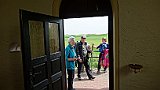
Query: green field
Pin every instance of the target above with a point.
(91, 39)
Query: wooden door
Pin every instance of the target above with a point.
(42, 38)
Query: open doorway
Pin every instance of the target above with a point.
(96, 31)
(92, 8)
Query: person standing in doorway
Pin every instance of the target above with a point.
(70, 56)
(82, 53)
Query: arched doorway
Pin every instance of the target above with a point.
(92, 8)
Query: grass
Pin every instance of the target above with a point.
(91, 39)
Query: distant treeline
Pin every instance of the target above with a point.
(88, 35)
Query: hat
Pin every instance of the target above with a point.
(83, 36)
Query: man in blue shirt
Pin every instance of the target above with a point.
(70, 56)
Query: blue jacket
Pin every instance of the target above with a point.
(70, 53)
(103, 46)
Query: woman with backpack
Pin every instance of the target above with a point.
(103, 56)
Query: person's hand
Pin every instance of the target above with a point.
(79, 57)
(75, 59)
(91, 51)
(80, 60)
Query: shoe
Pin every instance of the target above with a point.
(72, 89)
(91, 78)
(79, 78)
(98, 72)
(105, 71)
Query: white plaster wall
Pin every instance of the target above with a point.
(139, 42)
(11, 74)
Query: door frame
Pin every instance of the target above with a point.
(25, 45)
(112, 14)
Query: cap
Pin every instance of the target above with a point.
(83, 36)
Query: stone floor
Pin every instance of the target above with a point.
(101, 82)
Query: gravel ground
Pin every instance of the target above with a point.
(101, 82)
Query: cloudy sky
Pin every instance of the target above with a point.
(92, 25)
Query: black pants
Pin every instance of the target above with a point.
(88, 71)
(99, 65)
(70, 79)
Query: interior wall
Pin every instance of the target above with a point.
(11, 74)
(55, 7)
(139, 42)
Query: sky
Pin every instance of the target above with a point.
(91, 25)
